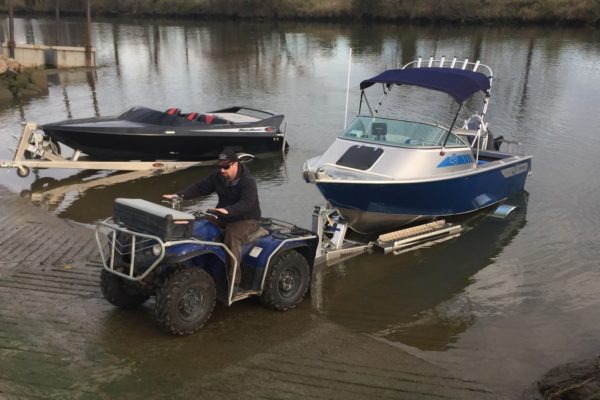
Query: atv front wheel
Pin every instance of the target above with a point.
(119, 292)
(185, 301)
(287, 281)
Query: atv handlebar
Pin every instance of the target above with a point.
(175, 202)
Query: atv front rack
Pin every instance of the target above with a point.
(130, 245)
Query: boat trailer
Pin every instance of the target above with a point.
(334, 245)
(35, 151)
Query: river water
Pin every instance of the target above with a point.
(503, 303)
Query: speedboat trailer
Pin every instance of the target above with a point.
(384, 172)
(35, 150)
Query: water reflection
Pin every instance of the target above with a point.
(87, 196)
(73, 80)
(542, 97)
(422, 298)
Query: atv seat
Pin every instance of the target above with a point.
(257, 234)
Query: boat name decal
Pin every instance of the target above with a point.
(251, 129)
(455, 159)
(515, 170)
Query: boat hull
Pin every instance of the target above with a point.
(142, 133)
(117, 144)
(371, 206)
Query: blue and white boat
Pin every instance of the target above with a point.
(386, 172)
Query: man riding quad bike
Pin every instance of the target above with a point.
(151, 250)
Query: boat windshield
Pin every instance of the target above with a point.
(395, 132)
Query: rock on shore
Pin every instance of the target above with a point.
(574, 381)
(17, 81)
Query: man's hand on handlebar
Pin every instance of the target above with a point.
(172, 199)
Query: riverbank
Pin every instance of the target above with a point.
(17, 81)
(568, 12)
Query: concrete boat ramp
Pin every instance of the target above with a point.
(59, 339)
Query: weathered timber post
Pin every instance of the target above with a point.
(11, 30)
(88, 46)
(57, 23)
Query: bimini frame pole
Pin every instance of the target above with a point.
(451, 126)
(364, 97)
(386, 91)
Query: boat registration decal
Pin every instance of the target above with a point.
(515, 170)
(255, 252)
(454, 159)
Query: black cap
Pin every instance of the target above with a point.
(227, 157)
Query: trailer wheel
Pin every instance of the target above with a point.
(23, 171)
(185, 301)
(287, 282)
(119, 292)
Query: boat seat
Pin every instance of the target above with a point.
(173, 111)
(211, 119)
(192, 116)
(208, 118)
(379, 130)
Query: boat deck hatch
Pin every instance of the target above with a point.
(360, 157)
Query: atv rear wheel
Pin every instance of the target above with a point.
(287, 281)
(119, 292)
(185, 301)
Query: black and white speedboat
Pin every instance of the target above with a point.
(141, 133)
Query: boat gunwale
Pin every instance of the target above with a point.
(487, 167)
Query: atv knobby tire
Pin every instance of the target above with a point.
(185, 301)
(119, 292)
(287, 281)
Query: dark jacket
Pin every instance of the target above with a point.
(239, 198)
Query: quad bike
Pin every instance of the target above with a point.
(152, 250)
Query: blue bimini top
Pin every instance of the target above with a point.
(458, 83)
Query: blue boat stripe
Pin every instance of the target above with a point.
(455, 159)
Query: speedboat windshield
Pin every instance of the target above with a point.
(400, 133)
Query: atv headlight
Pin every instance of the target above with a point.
(156, 250)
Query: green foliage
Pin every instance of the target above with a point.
(365, 7)
(515, 11)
